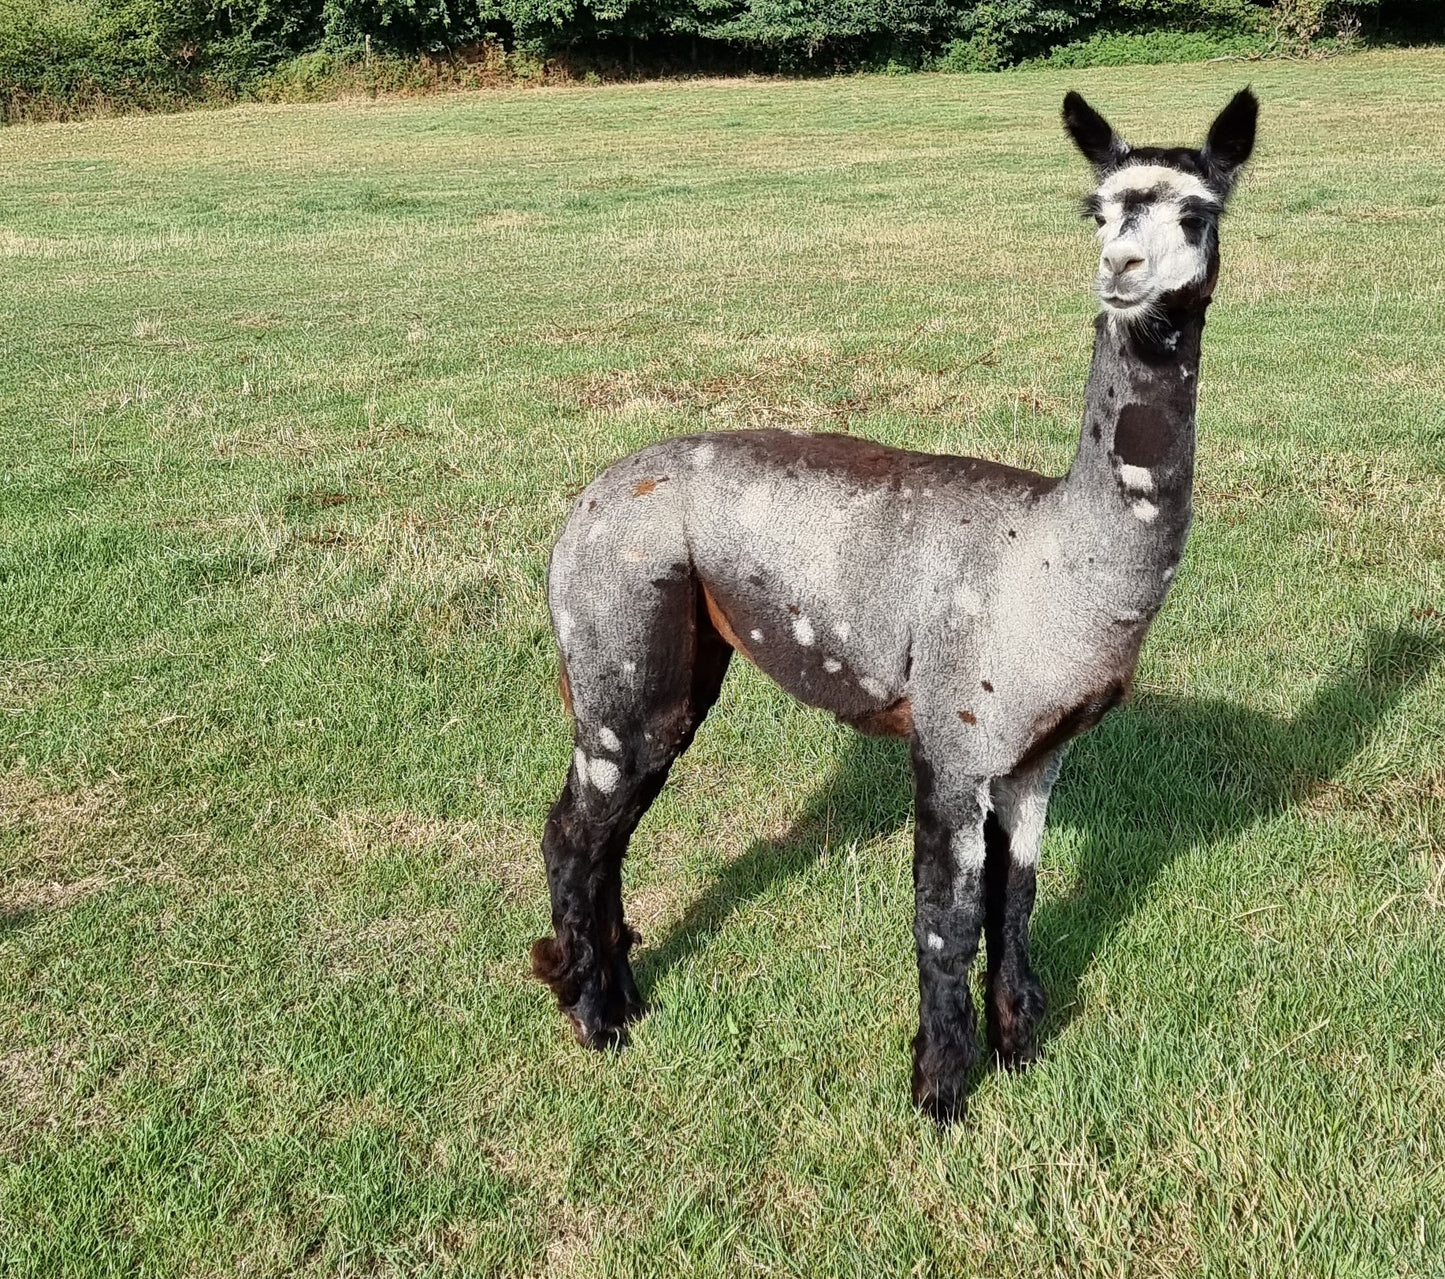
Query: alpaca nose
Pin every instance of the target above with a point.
(1121, 257)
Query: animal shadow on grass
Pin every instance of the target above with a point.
(1162, 776)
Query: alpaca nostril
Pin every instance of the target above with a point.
(1120, 258)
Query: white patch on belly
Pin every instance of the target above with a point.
(1145, 511)
(1137, 479)
(604, 774)
(579, 763)
(872, 687)
(935, 942)
(756, 636)
(832, 665)
(803, 631)
(608, 739)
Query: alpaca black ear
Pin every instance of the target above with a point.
(1093, 135)
(1231, 139)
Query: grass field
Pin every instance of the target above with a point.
(291, 403)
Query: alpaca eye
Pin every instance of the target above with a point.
(1098, 219)
(1192, 225)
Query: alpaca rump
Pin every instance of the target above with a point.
(987, 614)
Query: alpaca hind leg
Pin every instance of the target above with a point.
(627, 736)
(948, 861)
(1014, 999)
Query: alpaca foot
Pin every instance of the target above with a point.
(1014, 1011)
(597, 1002)
(940, 1087)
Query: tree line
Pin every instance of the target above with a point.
(59, 55)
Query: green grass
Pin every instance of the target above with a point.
(291, 403)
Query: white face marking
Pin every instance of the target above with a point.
(935, 942)
(872, 687)
(1144, 250)
(579, 762)
(803, 631)
(1145, 511)
(609, 740)
(832, 665)
(603, 774)
(756, 636)
(1137, 479)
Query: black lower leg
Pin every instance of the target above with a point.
(1014, 999)
(948, 913)
(586, 962)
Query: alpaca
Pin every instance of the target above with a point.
(987, 614)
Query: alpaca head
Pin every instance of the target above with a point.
(1157, 208)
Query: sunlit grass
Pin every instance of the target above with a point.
(292, 401)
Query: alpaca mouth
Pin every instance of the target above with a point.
(1123, 301)
(1127, 307)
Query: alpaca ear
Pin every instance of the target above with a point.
(1093, 135)
(1231, 139)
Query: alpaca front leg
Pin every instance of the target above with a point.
(1014, 1000)
(948, 861)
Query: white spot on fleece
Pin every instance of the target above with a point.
(608, 739)
(1145, 511)
(803, 631)
(629, 668)
(1168, 574)
(832, 665)
(596, 530)
(703, 454)
(967, 600)
(967, 849)
(635, 554)
(604, 774)
(935, 942)
(755, 506)
(564, 626)
(1137, 479)
(843, 630)
(579, 762)
(872, 687)
(756, 636)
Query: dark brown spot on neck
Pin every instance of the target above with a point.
(1142, 436)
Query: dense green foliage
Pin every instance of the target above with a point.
(67, 55)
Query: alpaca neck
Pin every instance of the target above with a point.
(1136, 451)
